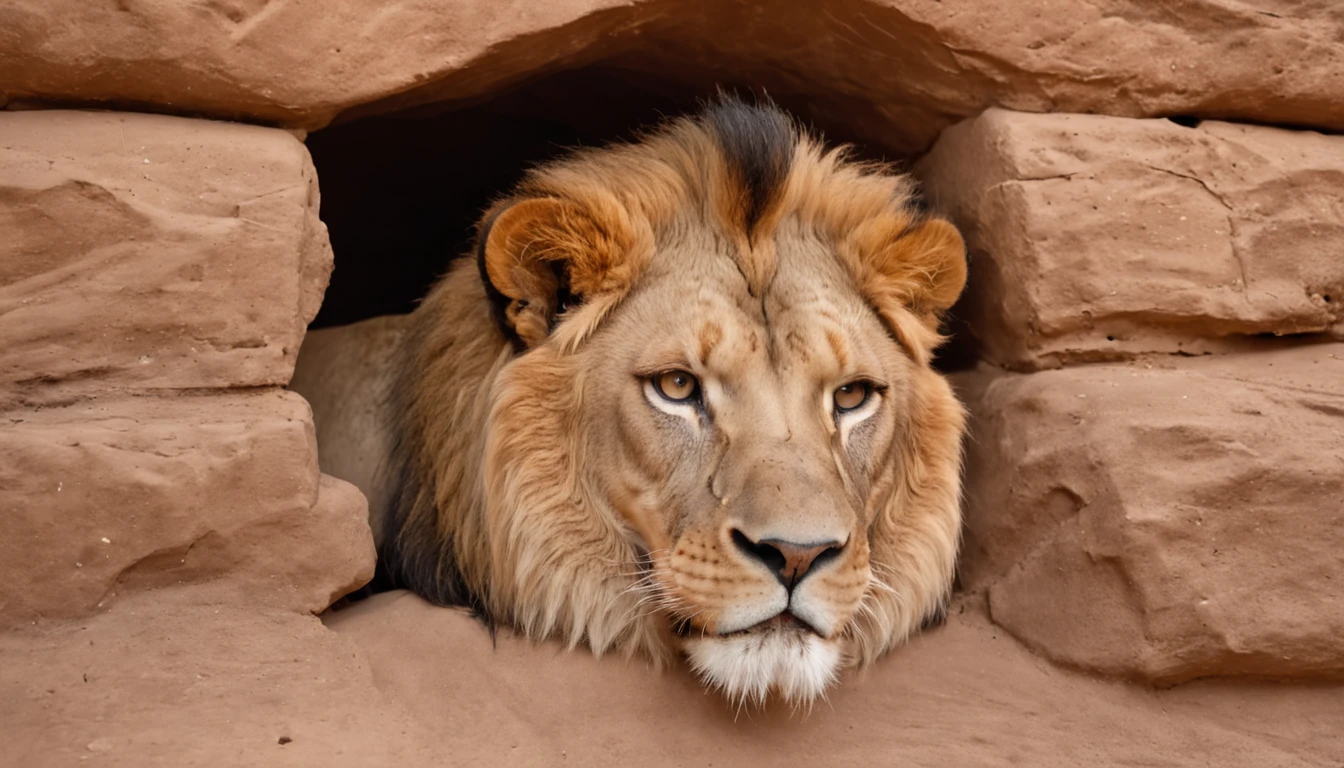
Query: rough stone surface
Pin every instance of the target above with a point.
(899, 70)
(182, 677)
(1097, 238)
(1165, 521)
(149, 252)
(961, 694)
(109, 497)
(179, 678)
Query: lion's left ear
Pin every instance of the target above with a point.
(912, 278)
(538, 256)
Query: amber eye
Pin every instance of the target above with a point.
(676, 386)
(852, 395)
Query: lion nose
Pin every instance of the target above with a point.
(790, 561)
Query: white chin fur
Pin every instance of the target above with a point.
(748, 667)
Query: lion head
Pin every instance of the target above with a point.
(681, 402)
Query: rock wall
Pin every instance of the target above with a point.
(1163, 515)
(1155, 485)
(898, 70)
(167, 536)
(154, 297)
(1098, 238)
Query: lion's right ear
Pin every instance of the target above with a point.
(539, 257)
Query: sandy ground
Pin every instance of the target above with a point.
(963, 694)
(173, 678)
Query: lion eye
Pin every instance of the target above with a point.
(676, 386)
(852, 395)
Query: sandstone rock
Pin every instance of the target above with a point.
(898, 70)
(114, 496)
(180, 678)
(1097, 238)
(177, 678)
(149, 252)
(961, 694)
(1165, 522)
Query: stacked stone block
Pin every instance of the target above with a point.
(1168, 502)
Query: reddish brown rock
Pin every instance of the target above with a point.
(898, 70)
(181, 677)
(145, 252)
(1098, 238)
(1165, 522)
(961, 694)
(114, 496)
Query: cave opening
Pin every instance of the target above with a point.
(401, 192)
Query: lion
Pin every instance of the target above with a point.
(677, 402)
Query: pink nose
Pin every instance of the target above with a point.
(788, 560)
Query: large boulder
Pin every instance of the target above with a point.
(143, 252)
(112, 496)
(167, 533)
(1165, 521)
(1095, 238)
(899, 71)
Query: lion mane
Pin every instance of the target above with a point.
(492, 500)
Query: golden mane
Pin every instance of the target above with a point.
(492, 509)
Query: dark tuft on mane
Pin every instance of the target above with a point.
(758, 142)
